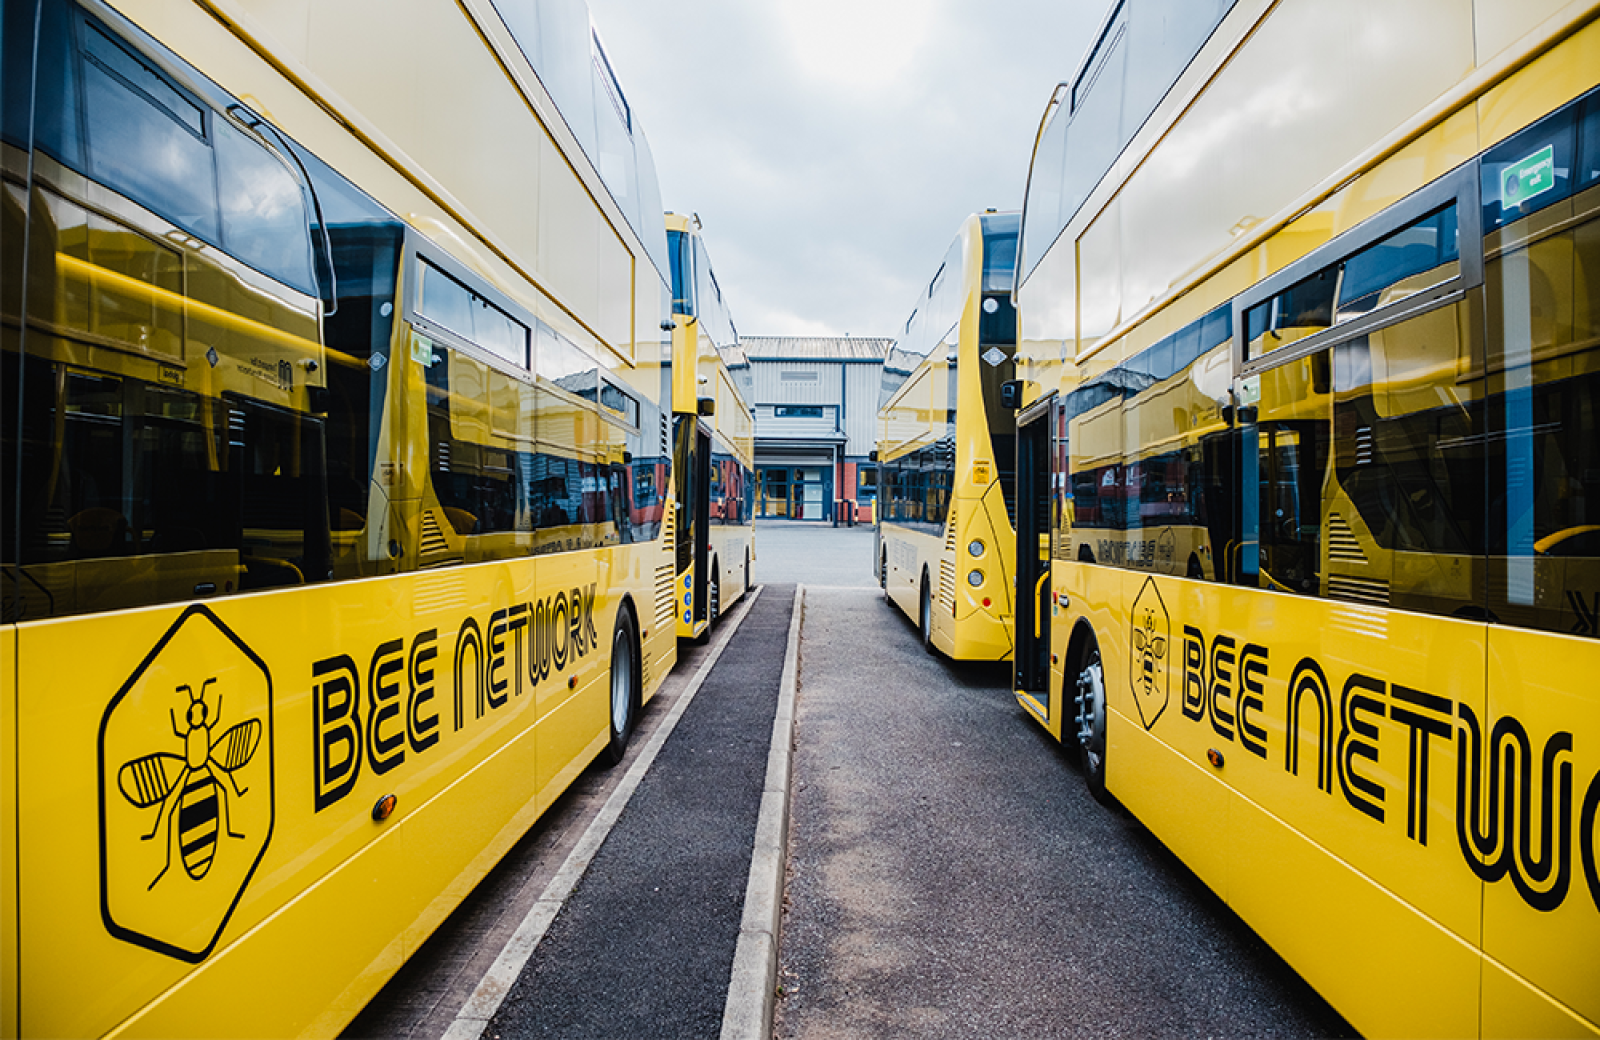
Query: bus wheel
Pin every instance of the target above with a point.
(624, 687)
(746, 569)
(925, 615)
(1089, 699)
(715, 591)
(883, 571)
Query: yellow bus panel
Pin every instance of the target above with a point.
(237, 754)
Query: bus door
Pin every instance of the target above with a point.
(701, 476)
(1036, 481)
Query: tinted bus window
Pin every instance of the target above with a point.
(146, 138)
(264, 219)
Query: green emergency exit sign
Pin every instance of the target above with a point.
(1527, 178)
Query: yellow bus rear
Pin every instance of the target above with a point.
(714, 441)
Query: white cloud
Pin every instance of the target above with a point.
(832, 147)
(855, 45)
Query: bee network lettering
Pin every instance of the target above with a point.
(519, 647)
(1521, 813)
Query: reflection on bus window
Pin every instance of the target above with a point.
(1544, 471)
(1419, 256)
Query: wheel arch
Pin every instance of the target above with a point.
(626, 604)
(1079, 643)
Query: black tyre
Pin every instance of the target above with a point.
(624, 707)
(925, 615)
(1089, 714)
(715, 591)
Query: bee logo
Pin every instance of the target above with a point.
(1150, 649)
(1149, 641)
(189, 787)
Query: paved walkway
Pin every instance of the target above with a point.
(645, 945)
(719, 700)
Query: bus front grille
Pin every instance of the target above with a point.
(947, 585)
(667, 569)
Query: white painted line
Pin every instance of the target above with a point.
(491, 991)
(753, 987)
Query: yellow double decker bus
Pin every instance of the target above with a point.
(946, 494)
(334, 419)
(1310, 446)
(713, 441)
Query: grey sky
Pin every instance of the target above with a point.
(832, 147)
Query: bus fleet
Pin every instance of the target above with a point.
(1264, 442)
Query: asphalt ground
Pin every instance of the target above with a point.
(817, 555)
(644, 946)
(949, 875)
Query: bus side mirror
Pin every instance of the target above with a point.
(872, 456)
(707, 406)
(1011, 393)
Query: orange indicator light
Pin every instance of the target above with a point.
(384, 808)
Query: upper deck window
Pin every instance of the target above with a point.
(448, 303)
(1000, 251)
(1531, 169)
(608, 78)
(680, 248)
(147, 138)
(1116, 25)
(620, 401)
(1424, 246)
(1417, 257)
(1140, 53)
(1589, 142)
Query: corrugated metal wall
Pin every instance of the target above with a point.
(796, 382)
(849, 390)
(861, 408)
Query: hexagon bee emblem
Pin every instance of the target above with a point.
(1167, 551)
(186, 788)
(1151, 636)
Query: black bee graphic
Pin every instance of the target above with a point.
(189, 786)
(1150, 648)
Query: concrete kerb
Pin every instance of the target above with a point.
(474, 1016)
(752, 990)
